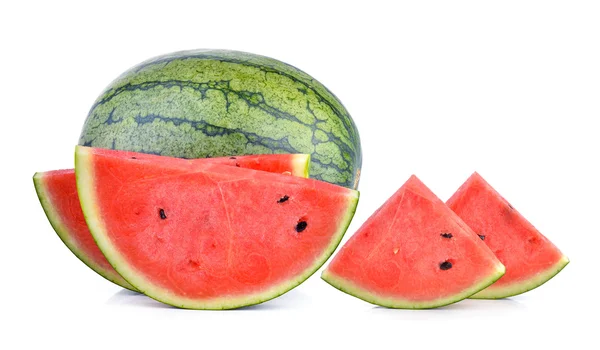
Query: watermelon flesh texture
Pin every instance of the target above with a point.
(286, 164)
(57, 191)
(530, 258)
(413, 252)
(218, 238)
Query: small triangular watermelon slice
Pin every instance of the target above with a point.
(530, 258)
(57, 192)
(216, 238)
(413, 253)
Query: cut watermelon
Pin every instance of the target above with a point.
(57, 191)
(287, 164)
(530, 258)
(413, 252)
(218, 238)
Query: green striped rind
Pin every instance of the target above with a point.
(85, 186)
(65, 236)
(523, 286)
(350, 288)
(210, 103)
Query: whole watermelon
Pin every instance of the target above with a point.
(211, 103)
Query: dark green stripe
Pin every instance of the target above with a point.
(265, 66)
(113, 120)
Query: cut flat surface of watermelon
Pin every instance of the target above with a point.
(530, 258)
(57, 192)
(218, 238)
(413, 252)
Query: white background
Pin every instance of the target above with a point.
(439, 89)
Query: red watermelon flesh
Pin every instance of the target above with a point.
(57, 191)
(287, 164)
(413, 252)
(530, 258)
(216, 238)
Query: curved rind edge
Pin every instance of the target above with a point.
(523, 286)
(62, 232)
(85, 185)
(301, 165)
(352, 289)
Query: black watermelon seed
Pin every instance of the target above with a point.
(237, 165)
(232, 158)
(283, 199)
(133, 158)
(446, 235)
(482, 237)
(510, 206)
(301, 226)
(446, 265)
(161, 212)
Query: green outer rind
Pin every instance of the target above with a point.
(210, 103)
(85, 185)
(63, 233)
(522, 286)
(350, 288)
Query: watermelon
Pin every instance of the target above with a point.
(413, 252)
(211, 103)
(530, 258)
(217, 237)
(57, 192)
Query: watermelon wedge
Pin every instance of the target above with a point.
(57, 192)
(414, 253)
(530, 258)
(216, 238)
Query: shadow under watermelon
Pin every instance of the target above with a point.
(467, 305)
(292, 299)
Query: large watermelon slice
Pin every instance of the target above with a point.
(413, 252)
(530, 258)
(220, 237)
(57, 192)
